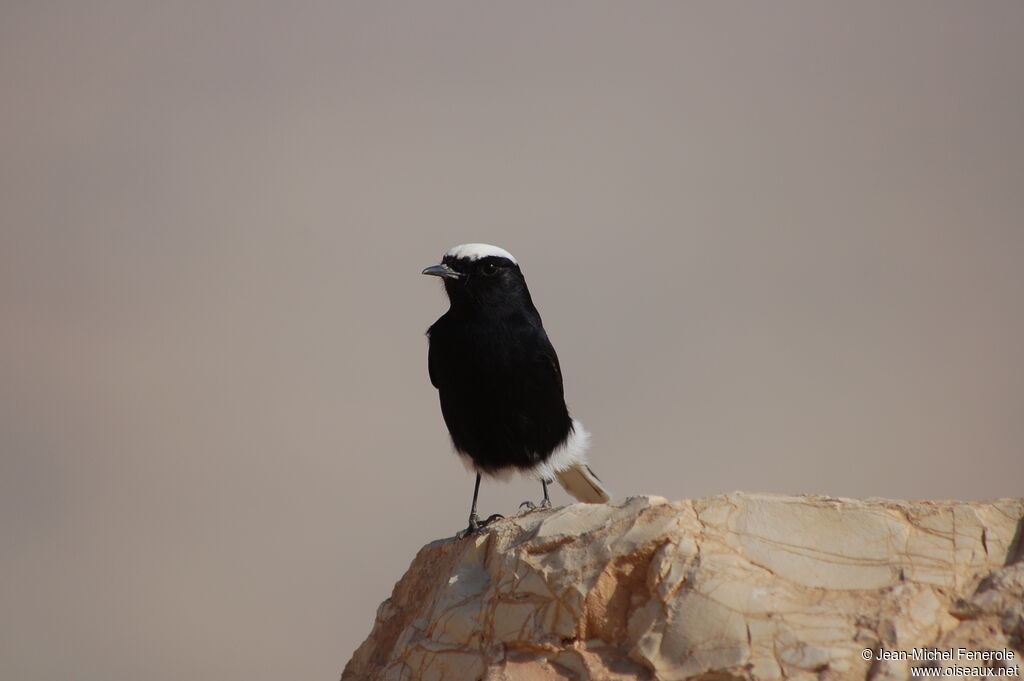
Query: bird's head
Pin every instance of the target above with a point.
(481, 275)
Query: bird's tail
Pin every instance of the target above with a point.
(579, 481)
(568, 465)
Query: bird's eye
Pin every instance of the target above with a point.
(489, 269)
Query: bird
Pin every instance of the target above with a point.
(499, 381)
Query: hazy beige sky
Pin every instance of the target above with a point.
(777, 246)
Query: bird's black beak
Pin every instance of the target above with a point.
(442, 271)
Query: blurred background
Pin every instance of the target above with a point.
(777, 246)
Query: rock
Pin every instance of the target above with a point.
(739, 586)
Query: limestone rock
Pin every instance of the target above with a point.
(743, 586)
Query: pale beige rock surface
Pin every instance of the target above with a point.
(749, 586)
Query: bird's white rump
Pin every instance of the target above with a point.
(477, 251)
(572, 452)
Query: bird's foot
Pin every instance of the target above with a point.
(530, 506)
(475, 525)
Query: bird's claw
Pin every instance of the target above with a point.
(530, 506)
(475, 525)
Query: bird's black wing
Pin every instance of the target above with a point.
(542, 419)
(549, 358)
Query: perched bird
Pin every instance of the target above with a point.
(499, 381)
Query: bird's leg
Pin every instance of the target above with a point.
(475, 524)
(474, 520)
(545, 502)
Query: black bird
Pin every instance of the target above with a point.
(499, 380)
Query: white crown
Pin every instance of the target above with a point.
(477, 251)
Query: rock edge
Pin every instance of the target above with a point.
(737, 586)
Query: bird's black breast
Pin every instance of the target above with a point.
(500, 387)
